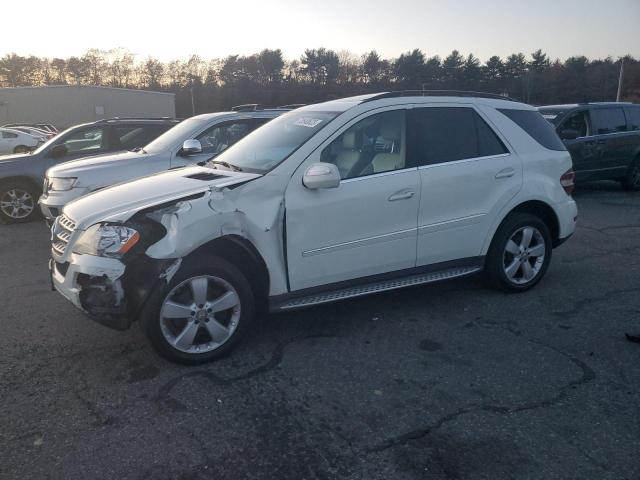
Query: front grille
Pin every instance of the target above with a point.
(62, 230)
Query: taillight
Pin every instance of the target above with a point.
(568, 181)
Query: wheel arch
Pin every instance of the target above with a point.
(537, 207)
(22, 178)
(245, 256)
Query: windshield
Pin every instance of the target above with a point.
(552, 115)
(269, 145)
(178, 134)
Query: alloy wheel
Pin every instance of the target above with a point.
(200, 314)
(17, 203)
(523, 255)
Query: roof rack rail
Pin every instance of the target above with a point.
(293, 106)
(612, 102)
(439, 93)
(247, 107)
(104, 120)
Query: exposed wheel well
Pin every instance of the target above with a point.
(240, 252)
(545, 213)
(27, 180)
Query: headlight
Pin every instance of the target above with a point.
(106, 240)
(61, 183)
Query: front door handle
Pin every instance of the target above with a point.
(506, 173)
(403, 195)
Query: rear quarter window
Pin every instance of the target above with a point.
(536, 127)
(634, 118)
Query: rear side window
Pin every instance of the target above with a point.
(9, 135)
(608, 120)
(536, 127)
(447, 134)
(634, 118)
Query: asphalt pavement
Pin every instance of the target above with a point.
(444, 381)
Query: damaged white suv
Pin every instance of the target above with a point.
(327, 202)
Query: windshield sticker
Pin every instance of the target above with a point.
(308, 122)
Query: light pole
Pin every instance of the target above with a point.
(619, 94)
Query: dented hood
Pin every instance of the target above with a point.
(120, 202)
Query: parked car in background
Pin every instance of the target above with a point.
(15, 141)
(328, 202)
(35, 132)
(21, 176)
(193, 141)
(603, 139)
(42, 126)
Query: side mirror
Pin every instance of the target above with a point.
(569, 134)
(321, 175)
(58, 151)
(191, 147)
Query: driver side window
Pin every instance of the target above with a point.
(373, 145)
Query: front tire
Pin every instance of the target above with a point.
(18, 202)
(201, 315)
(519, 254)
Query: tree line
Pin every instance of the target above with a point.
(267, 78)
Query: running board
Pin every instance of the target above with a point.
(374, 287)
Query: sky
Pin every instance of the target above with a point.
(216, 28)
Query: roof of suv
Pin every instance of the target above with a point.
(418, 96)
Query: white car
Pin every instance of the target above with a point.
(190, 142)
(328, 202)
(15, 141)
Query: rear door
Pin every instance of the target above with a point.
(467, 175)
(614, 143)
(582, 148)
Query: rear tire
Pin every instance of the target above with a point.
(631, 181)
(201, 314)
(18, 201)
(520, 253)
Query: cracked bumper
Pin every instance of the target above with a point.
(93, 284)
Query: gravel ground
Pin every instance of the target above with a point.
(445, 381)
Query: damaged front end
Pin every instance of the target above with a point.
(111, 289)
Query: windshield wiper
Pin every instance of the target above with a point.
(230, 166)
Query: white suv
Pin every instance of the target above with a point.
(190, 142)
(328, 202)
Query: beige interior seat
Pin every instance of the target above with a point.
(349, 154)
(394, 160)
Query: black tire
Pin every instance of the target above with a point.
(191, 268)
(498, 256)
(7, 214)
(631, 181)
(21, 149)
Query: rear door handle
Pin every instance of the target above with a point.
(506, 173)
(403, 195)
(601, 142)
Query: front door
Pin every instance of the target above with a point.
(367, 225)
(576, 134)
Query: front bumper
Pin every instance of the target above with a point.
(52, 202)
(94, 285)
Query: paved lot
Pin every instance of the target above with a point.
(451, 381)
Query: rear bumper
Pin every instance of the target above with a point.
(567, 213)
